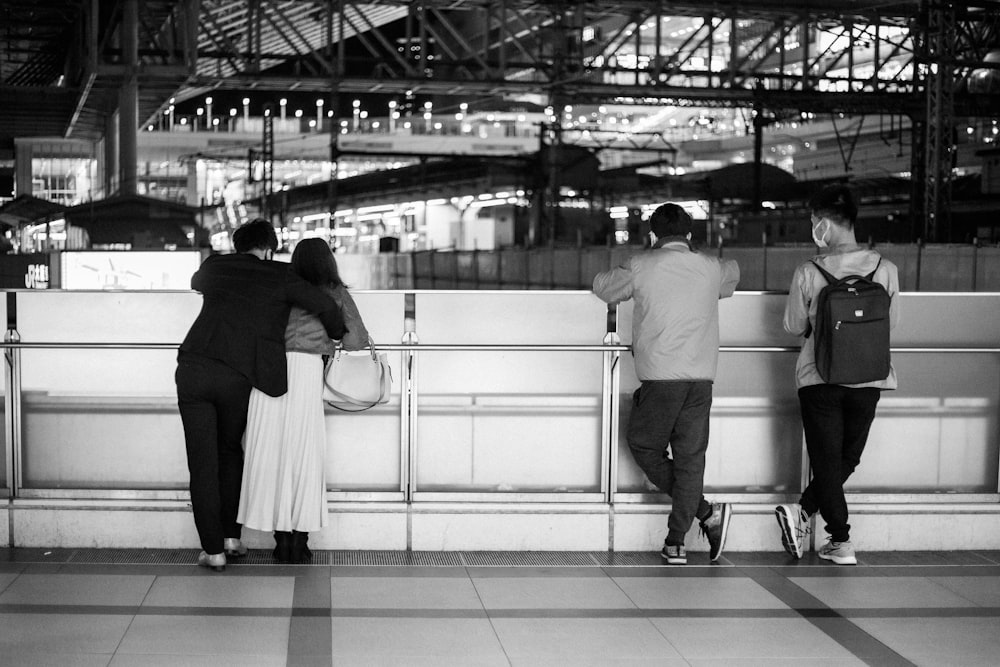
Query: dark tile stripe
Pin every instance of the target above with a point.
(867, 648)
(922, 612)
(984, 570)
(864, 646)
(131, 610)
(310, 636)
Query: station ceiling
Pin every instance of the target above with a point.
(62, 63)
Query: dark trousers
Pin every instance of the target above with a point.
(213, 402)
(673, 415)
(836, 421)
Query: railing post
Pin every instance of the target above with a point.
(408, 408)
(609, 431)
(12, 402)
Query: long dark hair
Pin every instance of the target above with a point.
(314, 261)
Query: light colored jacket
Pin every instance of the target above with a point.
(800, 308)
(305, 333)
(675, 322)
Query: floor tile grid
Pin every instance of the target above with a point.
(860, 643)
(492, 622)
(500, 619)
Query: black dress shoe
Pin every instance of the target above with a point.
(300, 548)
(282, 546)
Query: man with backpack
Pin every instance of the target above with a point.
(844, 302)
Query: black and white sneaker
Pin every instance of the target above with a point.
(794, 524)
(715, 528)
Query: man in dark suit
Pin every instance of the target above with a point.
(236, 343)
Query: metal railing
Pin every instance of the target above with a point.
(409, 408)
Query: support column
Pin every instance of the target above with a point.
(128, 99)
(939, 147)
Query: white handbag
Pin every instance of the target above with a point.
(352, 380)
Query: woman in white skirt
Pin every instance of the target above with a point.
(284, 480)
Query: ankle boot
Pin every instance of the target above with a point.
(300, 547)
(282, 546)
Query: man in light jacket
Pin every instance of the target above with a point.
(675, 343)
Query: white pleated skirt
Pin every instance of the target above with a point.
(284, 476)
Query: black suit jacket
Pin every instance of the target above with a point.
(244, 314)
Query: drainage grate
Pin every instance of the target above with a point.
(627, 558)
(135, 556)
(528, 559)
(397, 558)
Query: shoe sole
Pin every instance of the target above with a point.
(727, 513)
(674, 560)
(788, 539)
(839, 560)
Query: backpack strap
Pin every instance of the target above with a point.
(871, 275)
(829, 277)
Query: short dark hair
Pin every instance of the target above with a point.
(837, 203)
(258, 234)
(670, 220)
(314, 261)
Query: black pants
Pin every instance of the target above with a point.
(836, 421)
(213, 402)
(674, 414)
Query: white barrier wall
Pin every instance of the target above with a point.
(507, 419)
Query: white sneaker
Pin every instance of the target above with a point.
(674, 555)
(794, 525)
(841, 553)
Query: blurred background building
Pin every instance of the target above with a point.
(485, 124)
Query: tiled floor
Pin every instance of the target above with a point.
(90, 607)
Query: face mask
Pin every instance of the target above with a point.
(820, 241)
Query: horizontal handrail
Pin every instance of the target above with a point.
(472, 347)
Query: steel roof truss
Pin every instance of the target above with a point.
(457, 36)
(295, 52)
(310, 49)
(228, 50)
(386, 44)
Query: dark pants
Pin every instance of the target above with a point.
(213, 402)
(674, 414)
(836, 421)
